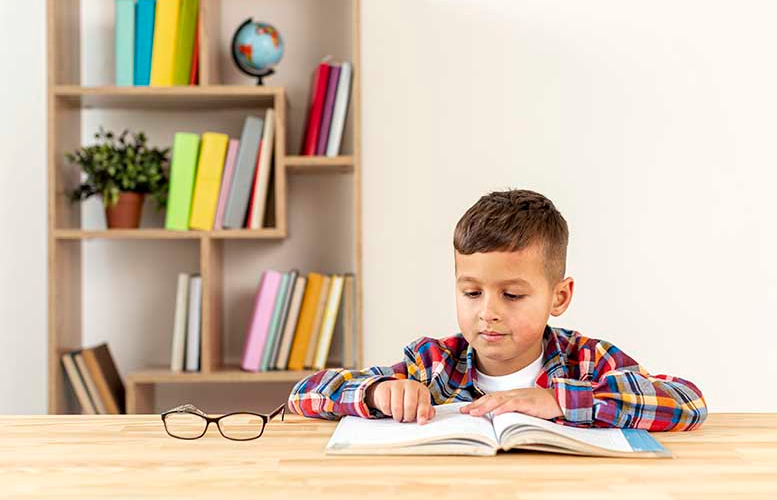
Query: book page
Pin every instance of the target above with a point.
(448, 423)
(608, 439)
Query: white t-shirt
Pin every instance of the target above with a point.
(522, 379)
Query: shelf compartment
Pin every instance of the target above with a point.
(164, 234)
(226, 374)
(179, 98)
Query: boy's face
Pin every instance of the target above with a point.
(515, 311)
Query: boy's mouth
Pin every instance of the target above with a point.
(490, 336)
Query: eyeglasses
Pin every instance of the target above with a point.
(189, 422)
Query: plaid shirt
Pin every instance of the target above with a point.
(595, 383)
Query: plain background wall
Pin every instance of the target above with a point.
(649, 127)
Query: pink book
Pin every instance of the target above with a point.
(329, 104)
(226, 181)
(260, 321)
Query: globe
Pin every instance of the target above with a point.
(257, 48)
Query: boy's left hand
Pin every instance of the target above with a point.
(536, 401)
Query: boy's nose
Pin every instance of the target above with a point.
(488, 313)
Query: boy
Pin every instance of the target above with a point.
(510, 260)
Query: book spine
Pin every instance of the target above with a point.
(124, 41)
(237, 201)
(305, 322)
(206, 190)
(185, 35)
(329, 104)
(260, 321)
(194, 324)
(264, 164)
(282, 361)
(165, 36)
(226, 182)
(315, 334)
(328, 323)
(274, 321)
(340, 110)
(91, 387)
(183, 168)
(79, 388)
(179, 323)
(316, 109)
(145, 11)
(284, 318)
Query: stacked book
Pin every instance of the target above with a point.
(157, 42)
(95, 380)
(222, 183)
(294, 322)
(327, 108)
(187, 325)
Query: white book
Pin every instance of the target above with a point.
(264, 164)
(340, 110)
(291, 323)
(451, 432)
(328, 323)
(179, 324)
(194, 324)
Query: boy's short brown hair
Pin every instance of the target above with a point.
(509, 221)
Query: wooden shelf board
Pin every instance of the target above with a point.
(228, 374)
(180, 98)
(319, 164)
(164, 234)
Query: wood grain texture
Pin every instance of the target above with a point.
(88, 456)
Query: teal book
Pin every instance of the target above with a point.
(144, 40)
(125, 41)
(183, 169)
(275, 321)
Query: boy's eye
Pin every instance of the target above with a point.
(510, 296)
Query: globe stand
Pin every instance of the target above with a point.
(259, 77)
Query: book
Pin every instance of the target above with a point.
(276, 345)
(348, 321)
(315, 331)
(242, 180)
(195, 74)
(178, 348)
(78, 385)
(260, 321)
(102, 369)
(184, 42)
(262, 175)
(290, 326)
(210, 166)
(453, 433)
(183, 168)
(329, 103)
(318, 93)
(328, 323)
(165, 36)
(194, 324)
(305, 322)
(340, 110)
(91, 386)
(275, 320)
(145, 10)
(124, 41)
(226, 181)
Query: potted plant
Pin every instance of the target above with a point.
(123, 169)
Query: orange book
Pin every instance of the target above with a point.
(315, 332)
(305, 324)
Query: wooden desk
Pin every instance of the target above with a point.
(731, 456)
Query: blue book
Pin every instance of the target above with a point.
(125, 38)
(144, 40)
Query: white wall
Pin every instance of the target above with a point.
(648, 126)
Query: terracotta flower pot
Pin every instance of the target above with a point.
(126, 213)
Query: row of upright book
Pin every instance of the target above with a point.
(295, 319)
(222, 183)
(156, 42)
(327, 108)
(187, 325)
(95, 380)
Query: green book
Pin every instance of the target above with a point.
(275, 321)
(125, 41)
(184, 43)
(183, 168)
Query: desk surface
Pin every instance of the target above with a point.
(731, 456)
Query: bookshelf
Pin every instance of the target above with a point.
(68, 99)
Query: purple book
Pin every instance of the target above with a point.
(329, 104)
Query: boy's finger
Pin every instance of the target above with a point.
(486, 407)
(424, 405)
(475, 404)
(411, 405)
(397, 402)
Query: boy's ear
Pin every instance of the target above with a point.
(562, 296)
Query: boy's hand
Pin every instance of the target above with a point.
(537, 402)
(405, 400)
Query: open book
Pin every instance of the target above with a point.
(453, 433)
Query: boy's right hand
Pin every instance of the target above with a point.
(404, 400)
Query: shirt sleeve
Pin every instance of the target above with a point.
(334, 393)
(613, 390)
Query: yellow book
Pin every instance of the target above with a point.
(208, 184)
(165, 36)
(305, 324)
(315, 332)
(328, 322)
